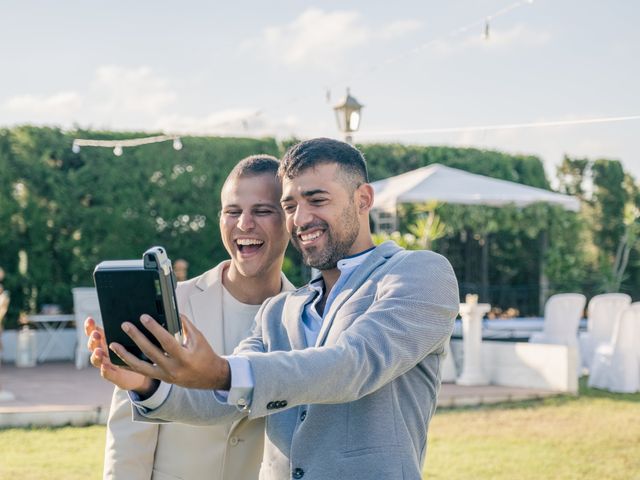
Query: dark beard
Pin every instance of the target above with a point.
(337, 248)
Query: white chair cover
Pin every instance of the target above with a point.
(616, 365)
(602, 313)
(562, 314)
(85, 304)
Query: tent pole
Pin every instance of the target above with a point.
(484, 269)
(543, 281)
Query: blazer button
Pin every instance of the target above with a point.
(303, 415)
(282, 403)
(233, 441)
(298, 473)
(271, 405)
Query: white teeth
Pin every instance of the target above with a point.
(249, 241)
(311, 236)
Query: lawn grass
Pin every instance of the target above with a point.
(69, 453)
(595, 435)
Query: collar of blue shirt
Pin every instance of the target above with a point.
(311, 319)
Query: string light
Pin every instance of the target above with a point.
(512, 126)
(119, 145)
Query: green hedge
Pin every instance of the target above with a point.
(66, 212)
(69, 211)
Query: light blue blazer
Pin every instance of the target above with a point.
(358, 405)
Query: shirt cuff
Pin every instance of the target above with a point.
(154, 401)
(242, 383)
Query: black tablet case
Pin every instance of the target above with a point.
(126, 290)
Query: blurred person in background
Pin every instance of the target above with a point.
(181, 269)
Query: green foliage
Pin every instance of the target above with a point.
(64, 212)
(385, 160)
(611, 200)
(69, 211)
(567, 262)
(426, 228)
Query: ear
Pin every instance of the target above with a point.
(364, 198)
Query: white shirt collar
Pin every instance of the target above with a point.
(354, 261)
(346, 265)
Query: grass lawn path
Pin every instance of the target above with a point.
(593, 436)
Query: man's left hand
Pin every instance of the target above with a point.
(192, 364)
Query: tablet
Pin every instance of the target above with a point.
(129, 288)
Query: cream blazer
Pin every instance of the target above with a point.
(137, 451)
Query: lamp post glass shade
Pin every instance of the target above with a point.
(348, 114)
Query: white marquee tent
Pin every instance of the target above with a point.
(450, 185)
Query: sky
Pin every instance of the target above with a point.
(255, 68)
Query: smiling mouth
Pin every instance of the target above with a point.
(248, 246)
(308, 238)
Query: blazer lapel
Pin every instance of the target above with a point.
(292, 313)
(207, 304)
(375, 259)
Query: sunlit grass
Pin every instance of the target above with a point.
(593, 436)
(67, 453)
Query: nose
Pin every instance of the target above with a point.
(302, 216)
(245, 221)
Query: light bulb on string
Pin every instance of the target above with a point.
(177, 143)
(117, 151)
(75, 148)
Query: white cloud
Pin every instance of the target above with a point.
(44, 107)
(116, 90)
(117, 97)
(238, 121)
(315, 38)
(322, 40)
(137, 98)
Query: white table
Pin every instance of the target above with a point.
(53, 325)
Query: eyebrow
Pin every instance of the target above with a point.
(255, 205)
(306, 193)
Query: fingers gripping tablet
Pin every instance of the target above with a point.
(129, 288)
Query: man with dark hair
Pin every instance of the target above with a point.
(347, 368)
(222, 302)
(325, 150)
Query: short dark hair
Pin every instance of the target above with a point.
(319, 151)
(255, 165)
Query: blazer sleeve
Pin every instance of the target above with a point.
(411, 317)
(130, 447)
(200, 407)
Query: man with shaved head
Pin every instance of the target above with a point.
(222, 302)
